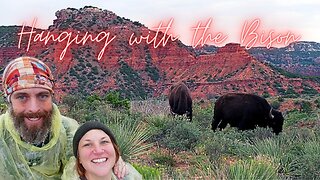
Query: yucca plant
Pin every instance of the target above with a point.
(131, 137)
(204, 169)
(261, 167)
(311, 157)
(270, 147)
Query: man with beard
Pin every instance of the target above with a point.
(35, 139)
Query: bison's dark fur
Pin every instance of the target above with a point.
(180, 100)
(246, 111)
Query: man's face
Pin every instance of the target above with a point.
(31, 110)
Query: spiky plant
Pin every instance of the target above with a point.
(261, 167)
(131, 137)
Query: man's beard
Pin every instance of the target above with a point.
(32, 134)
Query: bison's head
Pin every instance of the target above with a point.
(276, 121)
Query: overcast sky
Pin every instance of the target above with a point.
(228, 16)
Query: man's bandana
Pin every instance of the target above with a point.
(26, 72)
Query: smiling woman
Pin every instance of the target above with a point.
(96, 152)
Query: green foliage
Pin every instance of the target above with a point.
(153, 72)
(259, 168)
(137, 23)
(116, 101)
(8, 35)
(269, 147)
(311, 160)
(148, 172)
(130, 83)
(275, 104)
(309, 90)
(163, 159)
(202, 116)
(95, 70)
(180, 135)
(265, 94)
(317, 102)
(293, 117)
(93, 98)
(224, 143)
(291, 93)
(279, 87)
(207, 170)
(305, 106)
(3, 104)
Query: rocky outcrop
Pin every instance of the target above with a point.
(141, 69)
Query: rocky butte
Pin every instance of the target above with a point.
(140, 71)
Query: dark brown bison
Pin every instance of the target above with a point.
(245, 111)
(180, 100)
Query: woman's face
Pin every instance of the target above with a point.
(96, 153)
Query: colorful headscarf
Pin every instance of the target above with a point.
(26, 72)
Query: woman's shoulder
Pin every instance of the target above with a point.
(133, 174)
(69, 171)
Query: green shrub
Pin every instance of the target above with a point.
(275, 104)
(116, 101)
(297, 144)
(181, 135)
(204, 169)
(202, 116)
(70, 100)
(163, 159)
(3, 104)
(306, 106)
(317, 102)
(223, 143)
(259, 168)
(148, 172)
(311, 160)
(293, 118)
(158, 126)
(269, 147)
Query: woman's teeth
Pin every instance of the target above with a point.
(99, 160)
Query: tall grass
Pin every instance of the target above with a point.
(261, 167)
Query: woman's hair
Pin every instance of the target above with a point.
(82, 130)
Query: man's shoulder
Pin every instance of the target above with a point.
(68, 119)
(69, 123)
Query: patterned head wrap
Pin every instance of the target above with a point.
(26, 72)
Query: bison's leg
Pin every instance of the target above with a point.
(223, 124)
(189, 114)
(215, 122)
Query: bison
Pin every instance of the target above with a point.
(180, 100)
(245, 111)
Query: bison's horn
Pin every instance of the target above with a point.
(270, 114)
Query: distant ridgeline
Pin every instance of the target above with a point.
(142, 71)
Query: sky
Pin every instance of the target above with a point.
(229, 18)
